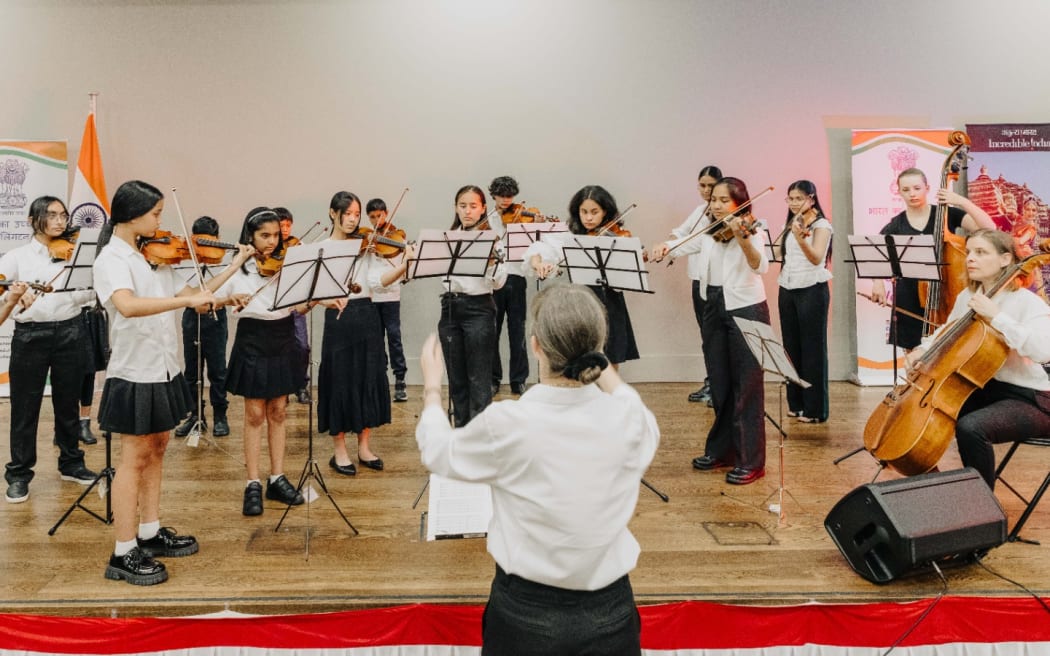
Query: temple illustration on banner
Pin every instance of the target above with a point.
(1015, 209)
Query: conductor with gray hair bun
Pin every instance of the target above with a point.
(564, 461)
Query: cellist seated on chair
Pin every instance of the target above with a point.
(1015, 404)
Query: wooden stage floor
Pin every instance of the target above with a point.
(712, 541)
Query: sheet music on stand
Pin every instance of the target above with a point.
(519, 236)
(457, 509)
(616, 262)
(768, 351)
(443, 253)
(77, 274)
(894, 256)
(316, 272)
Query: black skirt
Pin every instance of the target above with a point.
(143, 408)
(353, 392)
(266, 360)
(619, 344)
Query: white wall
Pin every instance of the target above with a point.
(246, 103)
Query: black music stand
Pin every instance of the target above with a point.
(77, 275)
(773, 249)
(447, 253)
(519, 236)
(893, 257)
(613, 262)
(198, 428)
(773, 359)
(315, 272)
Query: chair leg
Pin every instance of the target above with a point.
(1014, 533)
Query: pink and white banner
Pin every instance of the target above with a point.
(878, 158)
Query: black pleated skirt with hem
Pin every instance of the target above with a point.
(266, 360)
(131, 408)
(353, 391)
(620, 345)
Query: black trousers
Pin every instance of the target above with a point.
(213, 337)
(37, 349)
(390, 315)
(525, 618)
(467, 329)
(738, 435)
(511, 305)
(999, 413)
(698, 309)
(804, 327)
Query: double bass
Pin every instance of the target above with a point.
(938, 297)
(913, 426)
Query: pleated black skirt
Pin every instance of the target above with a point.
(266, 360)
(620, 345)
(142, 408)
(353, 392)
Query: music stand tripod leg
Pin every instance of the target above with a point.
(106, 473)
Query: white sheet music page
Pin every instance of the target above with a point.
(457, 509)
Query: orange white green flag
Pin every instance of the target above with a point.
(87, 203)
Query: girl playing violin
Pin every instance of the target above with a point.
(731, 280)
(47, 341)
(467, 327)
(591, 210)
(353, 393)
(145, 394)
(804, 299)
(266, 362)
(918, 219)
(698, 220)
(1015, 404)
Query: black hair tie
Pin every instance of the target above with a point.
(582, 363)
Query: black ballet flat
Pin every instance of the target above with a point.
(376, 464)
(345, 470)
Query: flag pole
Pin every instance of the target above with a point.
(93, 97)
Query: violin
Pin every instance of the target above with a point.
(209, 250)
(720, 229)
(725, 234)
(914, 425)
(385, 240)
(270, 266)
(40, 287)
(613, 228)
(518, 213)
(164, 247)
(61, 247)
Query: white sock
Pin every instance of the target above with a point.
(254, 480)
(149, 530)
(124, 547)
(274, 477)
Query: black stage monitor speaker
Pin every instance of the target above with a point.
(886, 530)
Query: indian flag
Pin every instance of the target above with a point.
(88, 205)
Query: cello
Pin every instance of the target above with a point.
(913, 426)
(938, 297)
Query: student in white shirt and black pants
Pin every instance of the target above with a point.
(47, 339)
(145, 394)
(732, 283)
(468, 319)
(564, 461)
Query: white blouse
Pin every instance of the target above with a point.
(564, 465)
(697, 220)
(144, 349)
(1024, 322)
(250, 283)
(31, 262)
(797, 271)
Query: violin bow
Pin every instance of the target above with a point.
(189, 247)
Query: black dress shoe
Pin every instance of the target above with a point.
(136, 568)
(517, 389)
(400, 391)
(17, 492)
(167, 542)
(85, 432)
(79, 474)
(282, 490)
(252, 499)
(706, 463)
(741, 476)
(376, 464)
(345, 470)
(185, 427)
(221, 427)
